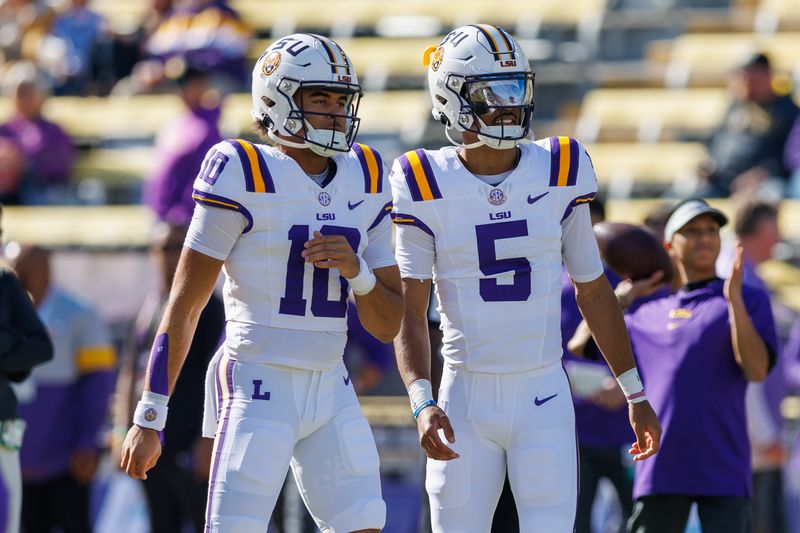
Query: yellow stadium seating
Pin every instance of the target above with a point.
(774, 15)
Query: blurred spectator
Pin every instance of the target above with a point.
(48, 150)
(23, 26)
(12, 167)
(180, 149)
(791, 158)
(64, 403)
(791, 373)
(176, 487)
(24, 343)
(756, 228)
(80, 29)
(746, 149)
(696, 352)
(202, 34)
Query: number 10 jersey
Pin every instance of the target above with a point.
(280, 309)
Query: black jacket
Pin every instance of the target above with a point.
(24, 342)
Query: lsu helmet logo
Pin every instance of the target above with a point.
(436, 60)
(271, 62)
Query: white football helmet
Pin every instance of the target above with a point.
(304, 61)
(475, 70)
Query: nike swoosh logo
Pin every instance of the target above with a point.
(537, 198)
(347, 378)
(539, 402)
(353, 206)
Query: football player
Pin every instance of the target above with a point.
(294, 226)
(490, 220)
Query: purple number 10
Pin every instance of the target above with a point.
(490, 265)
(292, 302)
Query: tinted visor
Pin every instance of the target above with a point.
(487, 94)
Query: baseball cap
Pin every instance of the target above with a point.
(688, 211)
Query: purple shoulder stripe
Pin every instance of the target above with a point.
(574, 162)
(411, 180)
(426, 166)
(269, 185)
(214, 200)
(555, 160)
(249, 184)
(410, 220)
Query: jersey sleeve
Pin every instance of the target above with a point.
(414, 239)
(227, 177)
(572, 169)
(759, 309)
(378, 252)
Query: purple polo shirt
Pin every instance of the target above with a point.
(682, 344)
(180, 150)
(597, 427)
(49, 153)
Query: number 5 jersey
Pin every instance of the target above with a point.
(495, 251)
(256, 209)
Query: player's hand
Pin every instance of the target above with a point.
(733, 285)
(628, 291)
(646, 428)
(332, 251)
(83, 465)
(429, 421)
(140, 451)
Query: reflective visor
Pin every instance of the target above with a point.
(483, 94)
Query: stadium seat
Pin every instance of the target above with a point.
(774, 15)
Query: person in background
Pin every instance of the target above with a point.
(24, 343)
(176, 486)
(64, 403)
(80, 29)
(791, 158)
(746, 149)
(181, 147)
(48, 150)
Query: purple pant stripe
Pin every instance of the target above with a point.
(217, 459)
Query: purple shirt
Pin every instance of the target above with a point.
(180, 150)
(791, 150)
(48, 150)
(597, 427)
(682, 344)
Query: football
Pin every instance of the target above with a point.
(631, 251)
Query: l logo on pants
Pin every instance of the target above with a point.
(257, 394)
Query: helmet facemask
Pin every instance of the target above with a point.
(322, 141)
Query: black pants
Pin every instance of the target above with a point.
(58, 502)
(768, 502)
(598, 463)
(669, 514)
(174, 496)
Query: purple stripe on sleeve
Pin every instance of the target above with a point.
(555, 160)
(362, 159)
(416, 195)
(409, 220)
(379, 161)
(221, 433)
(584, 199)
(385, 210)
(249, 184)
(574, 162)
(269, 185)
(426, 166)
(215, 200)
(157, 374)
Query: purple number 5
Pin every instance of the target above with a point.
(490, 265)
(292, 301)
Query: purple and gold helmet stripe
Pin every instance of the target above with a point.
(494, 36)
(584, 199)
(223, 203)
(331, 49)
(344, 57)
(256, 174)
(225, 383)
(95, 359)
(385, 210)
(411, 220)
(563, 161)
(506, 40)
(419, 176)
(371, 166)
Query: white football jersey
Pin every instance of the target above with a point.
(498, 249)
(280, 309)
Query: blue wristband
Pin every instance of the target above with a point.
(419, 409)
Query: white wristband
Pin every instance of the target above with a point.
(420, 394)
(364, 281)
(151, 411)
(631, 385)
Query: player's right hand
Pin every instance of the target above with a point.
(140, 451)
(429, 421)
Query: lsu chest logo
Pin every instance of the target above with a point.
(271, 62)
(436, 60)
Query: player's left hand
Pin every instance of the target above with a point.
(332, 251)
(83, 465)
(646, 428)
(733, 285)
